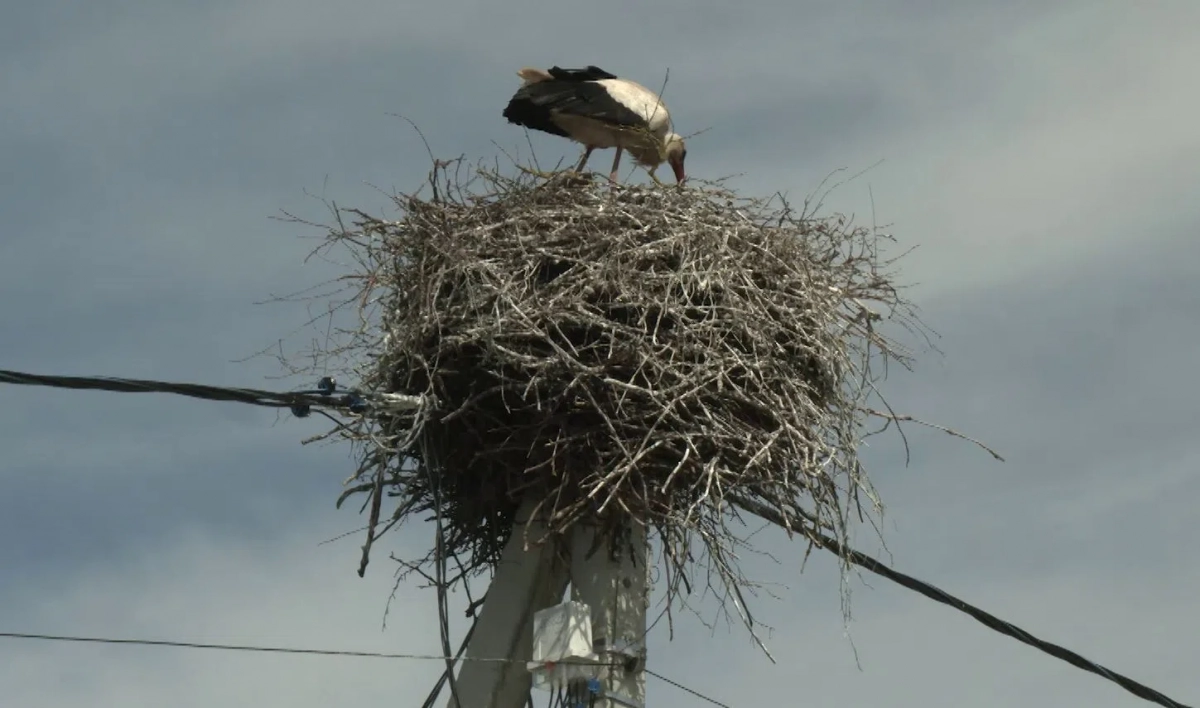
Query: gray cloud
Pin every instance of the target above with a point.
(1043, 156)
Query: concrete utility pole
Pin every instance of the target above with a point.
(526, 581)
(614, 588)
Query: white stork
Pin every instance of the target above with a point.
(599, 110)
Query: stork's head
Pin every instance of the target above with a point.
(675, 152)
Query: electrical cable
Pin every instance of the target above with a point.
(685, 689)
(290, 650)
(244, 647)
(301, 403)
(937, 594)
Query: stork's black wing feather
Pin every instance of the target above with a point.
(571, 92)
(589, 73)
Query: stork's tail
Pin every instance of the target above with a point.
(531, 76)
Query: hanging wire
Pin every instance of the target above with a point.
(249, 648)
(434, 477)
(449, 671)
(809, 530)
(301, 403)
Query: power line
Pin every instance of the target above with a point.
(317, 652)
(681, 687)
(994, 623)
(243, 647)
(937, 594)
(301, 403)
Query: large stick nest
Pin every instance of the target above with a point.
(615, 352)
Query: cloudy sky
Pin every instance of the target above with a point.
(1043, 156)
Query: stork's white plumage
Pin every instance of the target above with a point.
(599, 110)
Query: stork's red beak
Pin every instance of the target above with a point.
(678, 169)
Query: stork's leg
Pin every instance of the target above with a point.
(616, 163)
(583, 161)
